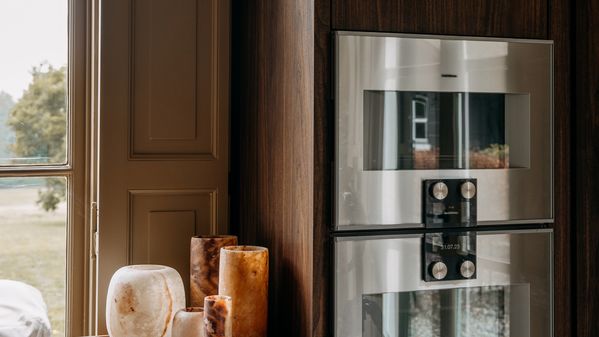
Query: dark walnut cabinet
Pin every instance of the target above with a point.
(283, 143)
(506, 18)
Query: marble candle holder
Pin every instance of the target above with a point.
(244, 277)
(204, 265)
(218, 316)
(142, 301)
(189, 322)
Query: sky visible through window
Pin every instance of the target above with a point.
(31, 32)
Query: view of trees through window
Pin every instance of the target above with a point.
(33, 138)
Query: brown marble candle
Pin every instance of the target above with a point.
(244, 277)
(204, 262)
(217, 316)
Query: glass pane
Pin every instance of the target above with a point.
(419, 107)
(445, 130)
(494, 311)
(420, 132)
(33, 86)
(33, 240)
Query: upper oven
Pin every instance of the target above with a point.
(411, 108)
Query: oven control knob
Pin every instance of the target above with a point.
(440, 190)
(439, 270)
(467, 269)
(468, 190)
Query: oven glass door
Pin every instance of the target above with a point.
(488, 311)
(379, 291)
(407, 130)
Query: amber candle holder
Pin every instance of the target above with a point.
(244, 277)
(204, 265)
(218, 316)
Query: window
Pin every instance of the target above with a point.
(419, 120)
(42, 130)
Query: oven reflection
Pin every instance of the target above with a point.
(489, 311)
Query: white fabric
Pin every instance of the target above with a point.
(23, 312)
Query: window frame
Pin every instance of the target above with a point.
(420, 100)
(80, 261)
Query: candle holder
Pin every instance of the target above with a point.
(189, 322)
(204, 265)
(142, 301)
(244, 277)
(218, 316)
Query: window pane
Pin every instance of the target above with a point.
(33, 250)
(419, 108)
(33, 88)
(420, 131)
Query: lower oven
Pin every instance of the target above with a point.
(392, 285)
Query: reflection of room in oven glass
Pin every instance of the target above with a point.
(492, 311)
(406, 130)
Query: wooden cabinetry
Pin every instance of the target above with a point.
(283, 131)
(506, 18)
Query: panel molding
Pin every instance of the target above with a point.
(134, 195)
(181, 148)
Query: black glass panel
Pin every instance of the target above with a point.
(406, 130)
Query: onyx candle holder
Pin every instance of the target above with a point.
(189, 322)
(204, 265)
(244, 277)
(218, 316)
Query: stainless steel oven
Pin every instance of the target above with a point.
(420, 107)
(444, 187)
(380, 290)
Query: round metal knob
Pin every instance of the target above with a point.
(439, 270)
(440, 190)
(467, 269)
(468, 190)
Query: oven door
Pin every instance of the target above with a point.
(379, 291)
(410, 108)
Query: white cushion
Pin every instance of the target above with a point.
(23, 312)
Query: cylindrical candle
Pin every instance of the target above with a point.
(189, 322)
(204, 265)
(244, 277)
(217, 316)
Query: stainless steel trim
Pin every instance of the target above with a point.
(374, 265)
(444, 37)
(391, 198)
(419, 225)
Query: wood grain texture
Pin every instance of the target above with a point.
(560, 32)
(587, 165)
(508, 18)
(323, 151)
(273, 125)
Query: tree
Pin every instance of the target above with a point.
(39, 122)
(6, 134)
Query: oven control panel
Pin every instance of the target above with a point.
(449, 203)
(449, 256)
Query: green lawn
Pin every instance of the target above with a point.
(33, 248)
